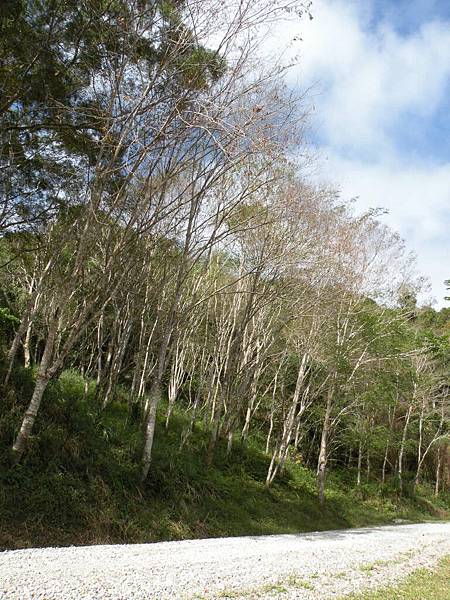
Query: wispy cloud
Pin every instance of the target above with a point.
(374, 84)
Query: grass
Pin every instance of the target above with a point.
(79, 482)
(295, 582)
(284, 586)
(424, 584)
(369, 567)
(269, 588)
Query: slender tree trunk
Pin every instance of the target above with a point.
(272, 465)
(42, 380)
(188, 430)
(99, 349)
(117, 361)
(229, 441)
(437, 484)
(358, 477)
(155, 397)
(176, 377)
(86, 389)
(419, 448)
(155, 394)
(272, 410)
(282, 448)
(298, 434)
(27, 318)
(214, 430)
(269, 433)
(402, 451)
(26, 347)
(385, 459)
(246, 428)
(323, 452)
(388, 443)
(15, 345)
(425, 450)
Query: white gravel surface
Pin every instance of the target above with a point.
(311, 566)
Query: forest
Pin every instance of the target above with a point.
(189, 316)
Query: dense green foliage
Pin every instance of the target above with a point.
(80, 481)
(58, 110)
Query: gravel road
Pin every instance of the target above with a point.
(312, 566)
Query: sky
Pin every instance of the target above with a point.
(379, 72)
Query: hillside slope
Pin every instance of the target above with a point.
(79, 483)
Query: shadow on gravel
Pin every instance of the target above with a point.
(341, 534)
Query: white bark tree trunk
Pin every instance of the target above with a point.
(323, 453)
(358, 477)
(155, 397)
(42, 380)
(402, 450)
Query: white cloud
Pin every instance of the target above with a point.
(367, 77)
(369, 82)
(418, 200)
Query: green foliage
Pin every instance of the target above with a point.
(6, 318)
(79, 482)
(8, 324)
(52, 122)
(200, 67)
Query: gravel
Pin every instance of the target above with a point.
(311, 566)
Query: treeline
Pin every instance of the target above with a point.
(156, 233)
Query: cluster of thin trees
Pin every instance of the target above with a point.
(159, 233)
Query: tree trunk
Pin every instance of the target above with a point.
(424, 451)
(385, 459)
(42, 380)
(188, 430)
(322, 461)
(176, 377)
(229, 441)
(437, 484)
(282, 448)
(214, 431)
(269, 433)
(155, 397)
(248, 416)
(15, 345)
(419, 448)
(26, 347)
(391, 418)
(402, 451)
(358, 477)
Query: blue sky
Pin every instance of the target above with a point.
(380, 73)
(407, 16)
(414, 134)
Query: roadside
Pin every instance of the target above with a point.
(308, 566)
(80, 484)
(429, 584)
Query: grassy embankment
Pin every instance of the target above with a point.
(79, 482)
(424, 584)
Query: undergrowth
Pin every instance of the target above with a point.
(79, 481)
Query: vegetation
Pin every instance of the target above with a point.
(424, 584)
(79, 482)
(196, 339)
